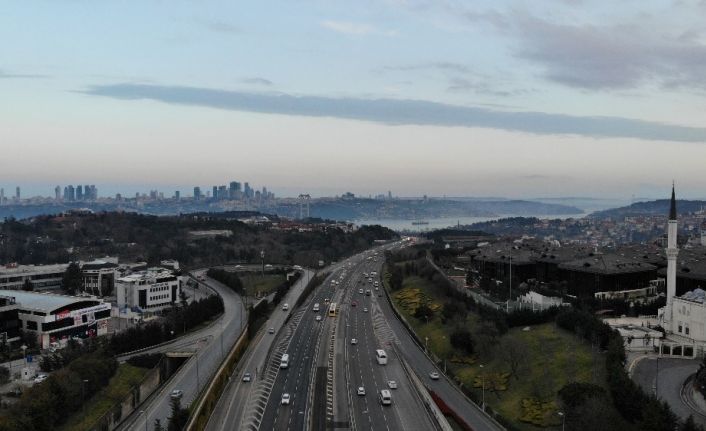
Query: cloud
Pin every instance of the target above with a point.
(258, 81)
(355, 29)
(433, 65)
(5, 75)
(402, 112)
(219, 26)
(604, 56)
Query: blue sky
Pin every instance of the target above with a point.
(513, 98)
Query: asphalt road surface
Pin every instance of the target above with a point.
(195, 372)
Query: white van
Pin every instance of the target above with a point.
(385, 397)
(381, 356)
(284, 362)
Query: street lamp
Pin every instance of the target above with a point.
(426, 344)
(145, 413)
(563, 419)
(482, 379)
(83, 395)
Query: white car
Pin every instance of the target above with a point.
(361, 390)
(360, 291)
(434, 375)
(247, 377)
(285, 399)
(176, 393)
(271, 330)
(365, 309)
(354, 341)
(40, 378)
(392, 384)
(318, 318)
(285, 307)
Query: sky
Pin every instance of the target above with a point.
(539, 98)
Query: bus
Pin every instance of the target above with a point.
(284, 362)
(332, 310)
(381, 356)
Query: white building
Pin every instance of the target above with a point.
(42, 277)
(99, 276)
(57, 318)
(148, 291)
(539, 302)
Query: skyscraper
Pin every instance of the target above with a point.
(197, 193)
(215, 192)
(17, 193)
(177, 195)
(2, 196)
(79, 192)
(57, 193)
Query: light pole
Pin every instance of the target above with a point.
(482, 379)
(24, 353)
(426, 345)
(510, 297)
(198, 380)
(145, 413)
(563, 419)
(83, 395)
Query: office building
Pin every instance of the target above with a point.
(57, 193)
(42, 277)
(17, 193)
(9, 321)
(215, 192)
(148, 291)
(197, 193)
(177, 195)
(2, 196)
(79, 192)
(58, 318)
(99, 277)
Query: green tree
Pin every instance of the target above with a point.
(179, 417)
(462, 340)
(73, 279)
(158, 425)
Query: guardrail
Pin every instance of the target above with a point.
(209, 397)
(442, 424)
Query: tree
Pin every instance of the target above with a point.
(462, 339)
(27, 286)
(158, 425)
(4, 375)
(424, 312)
(689, 424)
(513, 352)
(396, 278)
(73, 279)
(179, 417)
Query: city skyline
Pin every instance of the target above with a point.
(439, 98)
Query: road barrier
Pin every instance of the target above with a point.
(209, 398)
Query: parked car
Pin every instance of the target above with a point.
(40, 378)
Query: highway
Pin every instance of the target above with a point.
(362, 368)
(195, 372)
(229, 412)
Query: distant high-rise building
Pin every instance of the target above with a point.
(197, 193)
(247, 191)
(57, 193)
(389, 195)
(118, 197)
(233, 189)
(177, 195)
(215, 192)
(2, 196)
(153, 195)
(17, 193)
(69, 193)
(79, 192)
(222, 192)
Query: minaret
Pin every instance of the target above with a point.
(672, 252)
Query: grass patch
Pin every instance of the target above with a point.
(125, 377)
(550, 358)
(256, 284)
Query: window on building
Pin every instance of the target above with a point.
(686, 330)
(32, 325)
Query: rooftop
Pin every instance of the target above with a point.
(45, 301)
